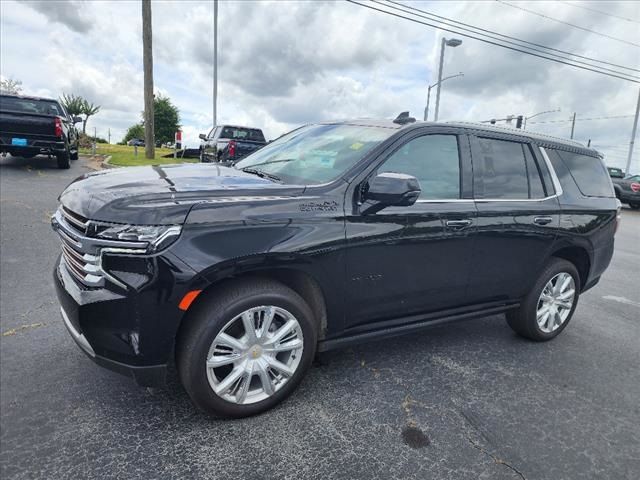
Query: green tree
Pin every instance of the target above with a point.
(72, 103)
(77, 105)
(166, 118)
(88, 110)
(135, 131)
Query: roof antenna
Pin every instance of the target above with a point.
(404, 118)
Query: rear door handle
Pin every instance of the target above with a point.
(542, 220)
(458, 223)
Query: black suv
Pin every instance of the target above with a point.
(334, 234)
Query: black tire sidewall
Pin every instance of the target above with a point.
(529, 308)
(210, 319)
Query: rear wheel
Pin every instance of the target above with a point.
(550, 304)
(246, 348)
(63, 159)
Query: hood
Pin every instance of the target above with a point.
(161, 194)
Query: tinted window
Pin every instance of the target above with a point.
(615, 172)
(589, 173)
(536, 190)
(504, 169)
(434, 161)
(31, 105)
(242, 134)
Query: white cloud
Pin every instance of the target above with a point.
(287, 63)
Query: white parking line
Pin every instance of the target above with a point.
(626, 301)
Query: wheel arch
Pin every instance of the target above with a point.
(298, 280)
(579, 257)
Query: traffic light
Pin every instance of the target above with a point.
(519, 121)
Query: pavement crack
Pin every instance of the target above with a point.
(497, 460)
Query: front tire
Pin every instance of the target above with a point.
(549, 306)
(245, 348)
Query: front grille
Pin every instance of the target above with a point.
(75, 221)
(83, 266)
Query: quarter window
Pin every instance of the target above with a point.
(504, 170)
(434, 160)
(589, 174)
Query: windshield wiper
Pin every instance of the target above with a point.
(273, 161)
(262, 174)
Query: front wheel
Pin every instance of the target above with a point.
(246, 348)
(550, 304)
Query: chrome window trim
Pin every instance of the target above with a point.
(552, 172)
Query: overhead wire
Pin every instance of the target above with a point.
(599, 11)
(567, 23)
(456, 23)
(475, 36)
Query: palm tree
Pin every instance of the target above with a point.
(88, 109)
(72, 103)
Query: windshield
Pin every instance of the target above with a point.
(30, 105)
(315, 154)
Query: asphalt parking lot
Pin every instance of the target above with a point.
(471, 400)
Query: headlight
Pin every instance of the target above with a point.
(158, 236)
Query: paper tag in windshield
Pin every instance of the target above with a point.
(357, 146)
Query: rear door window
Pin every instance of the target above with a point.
(504, 170)
(434, 160)
(589, 173)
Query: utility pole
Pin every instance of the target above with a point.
(215, 62)
(573, 124)
(147, 58)
(633, 137)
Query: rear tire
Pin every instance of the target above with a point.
(74, 155)
(533, 320)
(63, 159)
(205, 341)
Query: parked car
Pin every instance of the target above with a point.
(31, 126)
(627, 188)
(228, 144)
(333, 234)
(136, 142)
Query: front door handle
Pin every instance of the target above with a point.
(458, 223)
(542, 220)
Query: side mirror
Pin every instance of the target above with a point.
(202, 136)
(77, 119)
(391, 189)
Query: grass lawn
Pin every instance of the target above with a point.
(123, 155)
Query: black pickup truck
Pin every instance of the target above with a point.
(227, 143)
(627, 188)
(31, 126)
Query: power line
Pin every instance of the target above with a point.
(621, 75)
(567, 23)
(456, 24)
(599, 11)
(583, 119)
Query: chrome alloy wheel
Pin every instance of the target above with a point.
(255, 355)
(555, 302)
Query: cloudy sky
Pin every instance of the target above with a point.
(285, 63)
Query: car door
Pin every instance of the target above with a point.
(410, 260)
(518, 217)
(210, 145)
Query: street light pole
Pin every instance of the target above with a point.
(426, 109)
(524, 125)
(633, 137)
(454, 42)
(215, 61)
